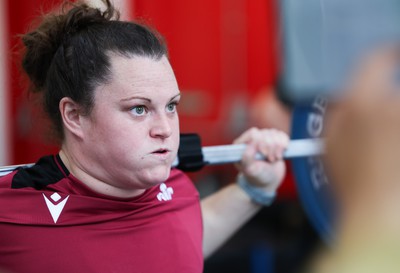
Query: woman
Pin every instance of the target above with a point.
(109, 200)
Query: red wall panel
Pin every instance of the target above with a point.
(263, 44)
(29, 126)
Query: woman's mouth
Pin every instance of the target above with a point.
(162, 153)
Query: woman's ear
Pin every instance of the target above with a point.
(71, 116)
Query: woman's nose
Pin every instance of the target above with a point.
(161, 127)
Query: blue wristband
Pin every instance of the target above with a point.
(256, 194)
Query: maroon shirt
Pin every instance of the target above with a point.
(52, 222)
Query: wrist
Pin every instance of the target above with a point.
(257, 195)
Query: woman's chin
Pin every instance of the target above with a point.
(158, 175)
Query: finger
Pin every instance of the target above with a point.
(248, 157)
(265, 145)
(273, 144)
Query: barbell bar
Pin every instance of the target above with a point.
(225, 154)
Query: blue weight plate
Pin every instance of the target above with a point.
(311, 181)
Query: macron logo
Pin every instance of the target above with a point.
(54, 205)
(165, 193)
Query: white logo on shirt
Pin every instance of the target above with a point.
(55, 209)
(165, 194)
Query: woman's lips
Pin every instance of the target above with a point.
(163, 154)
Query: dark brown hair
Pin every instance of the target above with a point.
(68, 54)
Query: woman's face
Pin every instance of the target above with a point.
(132, 134)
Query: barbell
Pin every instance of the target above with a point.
(304, 149)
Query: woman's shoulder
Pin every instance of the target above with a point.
(44, 172)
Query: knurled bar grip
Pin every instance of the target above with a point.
(224, 154)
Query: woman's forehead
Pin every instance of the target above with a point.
(140, 76)
(139, 70)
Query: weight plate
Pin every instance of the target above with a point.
(310, 177)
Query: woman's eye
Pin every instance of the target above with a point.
(171, 107)
(138, 110)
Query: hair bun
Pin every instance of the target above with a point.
(81, 16)
(56, 30)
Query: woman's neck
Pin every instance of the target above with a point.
(78, 170)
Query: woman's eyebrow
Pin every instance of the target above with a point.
(136, 98)
(146, 99)
(177, 95)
